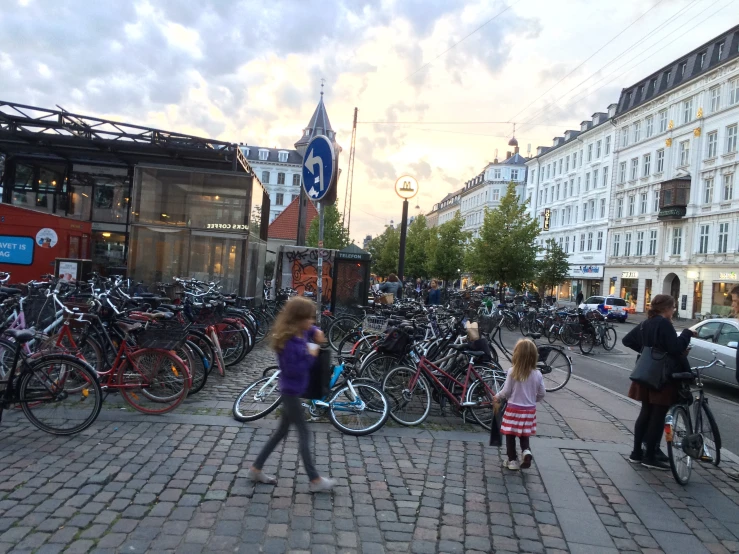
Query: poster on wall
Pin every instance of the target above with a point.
(46, 238)
(16, 250)
(68, 271)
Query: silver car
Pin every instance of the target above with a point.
(720, 336)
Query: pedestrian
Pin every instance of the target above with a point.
(523, 388)
(392, 285)
(657, 332)
(434, 298)
(419, 288)
(292, 330)
(579, 298)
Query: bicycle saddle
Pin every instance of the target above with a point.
(21, 336)
(466, 349)
(684, 375)
(535, 336)
(171, 307)
(10, 290)
(128, 327)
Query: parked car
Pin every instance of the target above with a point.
(719, 335)
(612, 307)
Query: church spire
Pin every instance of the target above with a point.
(319, 124)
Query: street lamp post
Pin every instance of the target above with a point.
(406, 187)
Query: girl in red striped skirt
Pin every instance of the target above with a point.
(524, 387)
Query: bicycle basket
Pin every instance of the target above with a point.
(486, 324)
(693, 445)
(375, 324)
(395, 341)
(39, 311)
(163, 335)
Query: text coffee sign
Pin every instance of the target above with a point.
(16, 250)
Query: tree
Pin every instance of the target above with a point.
(269, 269)
(553, 268)
(447, 246)
(385, 249)
(417, 249)
(335, 235)
(506, 249)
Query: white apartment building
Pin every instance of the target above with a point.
(674, 218)
(280, 170)
(485, 190)
(444, 211)
(569, 191)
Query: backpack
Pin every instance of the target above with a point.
(394, 342)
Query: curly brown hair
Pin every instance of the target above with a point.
(289, 321)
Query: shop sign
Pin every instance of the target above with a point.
(547, 218)
(228, 226)
(629, 275)
(587, 271)
(731, 276)
(16, 250)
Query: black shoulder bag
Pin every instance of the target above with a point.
(653, 367)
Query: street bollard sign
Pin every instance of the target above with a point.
(318, 167)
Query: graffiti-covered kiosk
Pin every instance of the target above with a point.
(345, 273)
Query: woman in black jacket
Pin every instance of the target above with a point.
(657, 332)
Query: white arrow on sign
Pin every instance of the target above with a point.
(310, 162)
(313, 193)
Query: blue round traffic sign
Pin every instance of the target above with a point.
(318, 167)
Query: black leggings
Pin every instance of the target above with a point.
(510, 446)
(292, 412)
(649, 427)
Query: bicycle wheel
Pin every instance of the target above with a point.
(46, 397)
(195, 361)
(360, 411)
(206, 347)
(555, 367)
(220, 362)
(609, 338)
(153, 381)
(510, 323)
(553, 335)
(268, 371)
(339, 328)
(377, 365)
(569, 335)
(407, 406)
(525, 326)
(7, 355)
(257, 400)
(587, 341)
(233, 340)
(482, 411)
(680, 463)
(705, 424)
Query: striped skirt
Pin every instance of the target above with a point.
(518, 421)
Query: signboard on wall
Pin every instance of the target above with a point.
(16, 250)
(731, 276)
(629, 275)
(586, 271)
(547, 218)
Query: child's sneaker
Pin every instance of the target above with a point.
(513, 465)
(527, 457)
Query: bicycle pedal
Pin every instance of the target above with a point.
(322, 404)
(468, 404)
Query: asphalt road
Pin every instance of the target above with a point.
(612, 369)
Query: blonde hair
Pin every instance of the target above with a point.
(525, 357)
(290, 320)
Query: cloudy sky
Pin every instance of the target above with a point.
(442, 77)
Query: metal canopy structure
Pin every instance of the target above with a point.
(29, 131)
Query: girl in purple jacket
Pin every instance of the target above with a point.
(293, 328)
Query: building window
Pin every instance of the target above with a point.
(591, 209)
(632, 204)
(625, 136)
(569, 214)
(567, 164)
(557, 191)
(265, 177)
(579, 158)
(728, 187)
(280, 178)
(590, 152)
(731, 139)
(708, 190)
(597, 148)
(496, 173)
(622, 173)
(279, 199)
(660, 160)
(608, 145)
(712, 144)
(560, 166)
(643, 207)
(720, 49)
(640, 243)
(567, 244)
(293, 197)
(703, 239)
(637, 131)
(549, 167)
(582, 242)
(662, 121)
(296, 179)
(602, 207)
(656, 201)
(684, 153)
(677, 241)
(595, 178)
(574, 160)
(715, 99)
(620, 207)
(647, 164)
(733, 91)
(605, 176)
(600, 240)
(263, 154)
(701, 60)
(650, 126)
(634, 168)
(514, 174)
(585, 211)
(652, 242)
(616, 245)
(688, 111)
(587, 182)
(495, 195)
(282, 156)
(590, 241)
(572, 186)
(683, 67)
(723, 238)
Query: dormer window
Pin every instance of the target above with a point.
(282, 156)
(263, 154)
(245, 150)
(720, 49)
(667, 77)
(654, 85)
(683, 67)
(701, 60)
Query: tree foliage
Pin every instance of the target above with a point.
(417, 249)
(447, 248)
(335, 235)
(554, 268)
(506, 249)
(385, 249)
